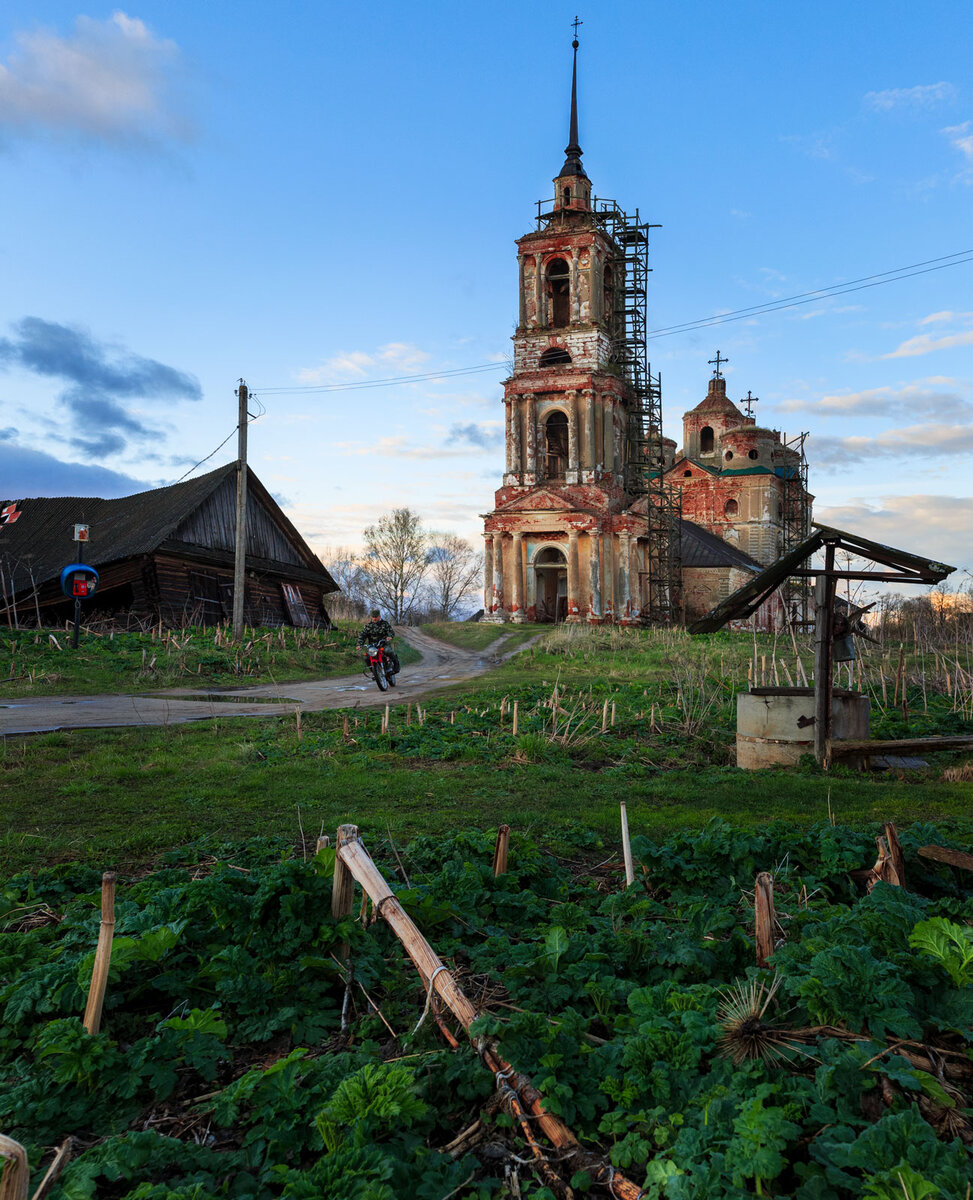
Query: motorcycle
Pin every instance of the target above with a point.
(379, 665)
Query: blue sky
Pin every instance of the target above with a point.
(306, 194)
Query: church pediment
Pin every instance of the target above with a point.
(539, 500)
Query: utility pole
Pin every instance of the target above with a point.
(240, 561)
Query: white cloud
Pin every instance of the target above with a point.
(400, 447)
(924, 96)
(945, 316)
(925, 398)
(913, 441)
(940, 526)
(961, 138)
(925, 344)
(401, 357)
(108, 80)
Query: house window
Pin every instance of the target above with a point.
(559, 290)
(556, 356)
(731, 508)
(556, 432)
(206, 598)
(706, 440)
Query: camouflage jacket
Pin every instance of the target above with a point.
(374, 631)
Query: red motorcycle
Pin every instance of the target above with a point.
(378, 664)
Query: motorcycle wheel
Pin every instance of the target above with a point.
(389, 674)
(378, 670)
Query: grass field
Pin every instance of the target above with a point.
(475, 635)
(44, 663)
(117, 798)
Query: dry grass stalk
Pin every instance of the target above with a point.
(960, 774)
(99, 972)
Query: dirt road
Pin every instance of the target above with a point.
(441, 666)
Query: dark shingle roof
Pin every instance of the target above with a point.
(700, 548)
(121, 528)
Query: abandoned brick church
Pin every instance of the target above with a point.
(599, 517)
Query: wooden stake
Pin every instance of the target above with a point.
(344, 727)
(14, 1170)
(604, 718)
(500, 850)
(99, 972)
(513, 727)
(765, 919)
(408, 714)
(297, 724)
(626, 847)
(613, 715)
(322, 843)
(343, 885)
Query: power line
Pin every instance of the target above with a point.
(225, 440)
(837, 289)
(928, 265)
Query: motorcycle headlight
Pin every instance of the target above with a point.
(373, 651)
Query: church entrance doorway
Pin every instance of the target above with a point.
(551, 575)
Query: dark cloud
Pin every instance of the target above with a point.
(98, 377)
(25, 473)
(485, 436)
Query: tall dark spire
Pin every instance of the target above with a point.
(572, 163)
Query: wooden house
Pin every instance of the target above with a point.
(165, 554)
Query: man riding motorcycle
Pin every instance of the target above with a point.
(379, 630)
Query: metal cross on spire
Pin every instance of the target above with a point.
(718, 374)
(576, 22)
(750, 402)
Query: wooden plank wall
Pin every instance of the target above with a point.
(213, 524)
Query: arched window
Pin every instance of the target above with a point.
(687, 474)
(731, 508)
(550, 556)
(559, 290)
(567, 195)
(754, 454)
(728, 455)
(706, 440)
(556, 435)
(556, 356)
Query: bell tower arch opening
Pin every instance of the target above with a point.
(556, 445)
(559, 291)
(551, 586)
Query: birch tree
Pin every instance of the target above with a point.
(396, 560)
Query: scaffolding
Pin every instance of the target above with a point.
(796, 524)
(628, 236)
(661, 577)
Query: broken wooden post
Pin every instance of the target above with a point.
(58, 1164)
(895, 852)
(626, 847)
(500, 850)
(343, 885)
(765, 919)
(520, 1094)
(323, 843)
(943, 854)
(14, 1170)
(99, 971)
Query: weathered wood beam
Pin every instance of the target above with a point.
(944, 854)
(845, 748)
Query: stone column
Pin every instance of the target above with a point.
(572, 475)
(609, 434)
(611, 577)
(517, 578)
(625, 555)
(531, 611)
(531, 472)
(523, 297)
(498, 575)
(635, 574)
(508, 435)
(588, 460)
(594, 612)
(487, 574)
(573, 576)
(539, 297)
(516, 443)
(596, 303)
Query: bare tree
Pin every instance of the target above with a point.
(455, 570)
(346, 568)
(396, 561)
